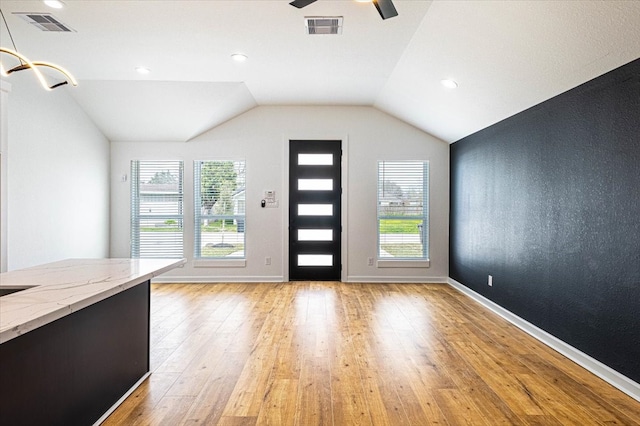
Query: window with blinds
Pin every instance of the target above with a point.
(157, 216)
(403, 210)
(219, 209)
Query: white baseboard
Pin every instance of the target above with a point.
(278, 279)
(396, 279)
(121, 400)
(606, 373)
(217, 279)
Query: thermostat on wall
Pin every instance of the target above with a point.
(270, 199)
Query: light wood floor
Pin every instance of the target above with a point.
(354, 354)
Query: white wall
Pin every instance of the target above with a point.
(261, 137)
(57, 177)
(5, 88)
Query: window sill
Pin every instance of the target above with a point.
(383, 263)
(220, 263)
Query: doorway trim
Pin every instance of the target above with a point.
(344, 200)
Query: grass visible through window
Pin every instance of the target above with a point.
(404, 226)
(221, 250)
(217, 226)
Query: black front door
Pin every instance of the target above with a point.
(314, 210)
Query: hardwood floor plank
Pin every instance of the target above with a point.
(489, 403)
(553, 402)
(599, 408)
(279, 408)
(169, 411)
(458, 409)
(385, 407)
(210, 403)
(416, 398)
(541, 421)
(143, 400)
(198, 371)
(325, 353)
(503, 383)
(347, 395)
(313, 405)
(237, 421)
(428, 404)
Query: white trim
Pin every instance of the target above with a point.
(213, 279)
(420, 279)
(285, 208)
(5, 88)
(384, 263)
(606, 373)
(122, 399)
(219, 263)
(344, 220)
(344, 170)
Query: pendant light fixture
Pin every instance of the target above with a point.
(26, 64)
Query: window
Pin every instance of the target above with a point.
(219, 209)
(156, 209)
(403, 210)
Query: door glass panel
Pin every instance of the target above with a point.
(315, 184)
(315, 234)
(315, 209)
(315, 159)
(315, 260)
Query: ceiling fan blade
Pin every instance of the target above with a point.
(386, 8)
(301, 3)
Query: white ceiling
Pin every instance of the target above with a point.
(505, 55)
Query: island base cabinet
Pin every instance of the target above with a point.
(72, 370)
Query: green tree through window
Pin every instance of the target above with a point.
(219, 209)
(218, 183)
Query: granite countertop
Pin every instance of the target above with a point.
(60, 288)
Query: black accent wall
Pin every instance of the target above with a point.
(548, 203)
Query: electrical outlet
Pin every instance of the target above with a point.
(267, 260)
(370, 261)
(490, 281)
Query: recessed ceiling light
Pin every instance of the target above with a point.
(448, 83)
(143, 70)
(56, 4)
(239, 57)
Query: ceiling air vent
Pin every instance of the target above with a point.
(323, 25)
(45, 22)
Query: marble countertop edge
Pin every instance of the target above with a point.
(61, 288)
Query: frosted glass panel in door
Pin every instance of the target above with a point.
(315, 184)
(315, 159)
(315, 209)
(315, 260)
(315, 234)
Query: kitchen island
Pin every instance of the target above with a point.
(74, 339)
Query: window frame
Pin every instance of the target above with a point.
(408, 261)
(137, 245)
(216, 261)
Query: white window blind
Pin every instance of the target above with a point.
(219, 209)
(403, 210)
(157, 221)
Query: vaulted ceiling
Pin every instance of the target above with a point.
(506, 56)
